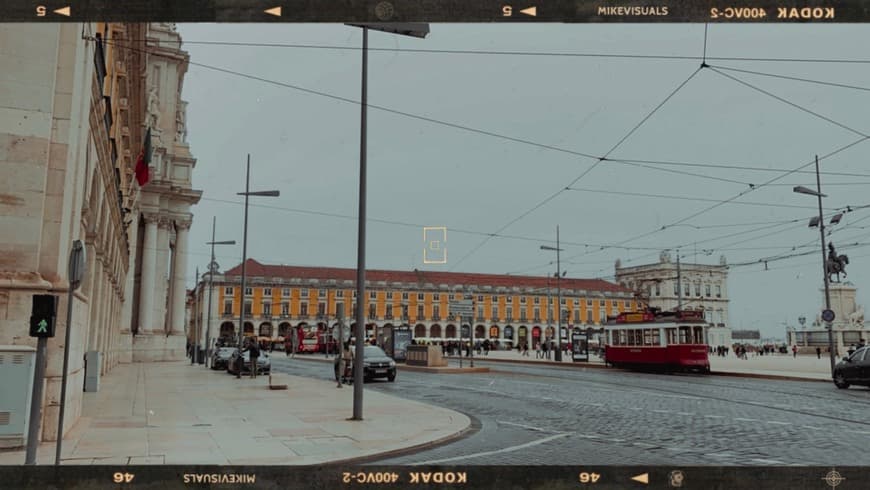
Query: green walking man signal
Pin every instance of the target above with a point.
(42, 316)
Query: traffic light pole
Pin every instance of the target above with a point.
(36, 402)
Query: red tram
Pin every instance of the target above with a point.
(656, 340)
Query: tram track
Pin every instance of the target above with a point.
(696, 395)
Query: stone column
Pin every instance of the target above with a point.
(149, 275)
(161, 285)
(176, 326)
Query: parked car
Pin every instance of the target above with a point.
(853, 369)
(221, 357)
(376, 364)
(264, 363)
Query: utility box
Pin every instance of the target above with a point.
(92, 371)
(17, 365)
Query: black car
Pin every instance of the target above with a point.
(853, 369)
(376, 364)
(221, 357)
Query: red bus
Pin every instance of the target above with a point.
(669, 341)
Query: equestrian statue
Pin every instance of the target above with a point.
(836, 264)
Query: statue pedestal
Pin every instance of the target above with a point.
(842, 302)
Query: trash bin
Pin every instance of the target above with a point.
(201, 358)
(92, 371)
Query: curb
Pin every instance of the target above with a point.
(444, 370)
(472, 428)
(576, 365)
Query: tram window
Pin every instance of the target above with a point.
(699, 335)
(656, 337)
(685, 335)
(671, 335)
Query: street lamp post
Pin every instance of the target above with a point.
(818, 193)
(247, 194)
(195, 344)
(212, 267)
(419, 30)
(558, 296)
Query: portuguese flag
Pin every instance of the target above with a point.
(144, 160)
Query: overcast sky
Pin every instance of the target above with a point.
(425, 173)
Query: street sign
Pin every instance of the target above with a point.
(42, 316)
(462, 308)
(828, 315)
(77, 265)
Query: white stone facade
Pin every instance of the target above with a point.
(704, 287)
(71, 127)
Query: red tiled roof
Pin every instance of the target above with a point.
(256, 269)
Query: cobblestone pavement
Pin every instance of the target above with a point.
(551, 415)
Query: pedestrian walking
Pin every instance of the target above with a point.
(546, 347)
(254, 354)
(537, 350)
(818, 352)
(794, 351)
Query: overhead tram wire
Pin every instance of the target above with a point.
(528, 53)
(491, 133)
(585, 172)
(685, 198)
(796, 79)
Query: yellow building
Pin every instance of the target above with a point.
(508, 309)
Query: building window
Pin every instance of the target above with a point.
(267, 291)
(510, 313)
(267, 309)
(228, 291)
(697, 289)
(248, 306)
(303, 309)
(522, 300)
(676, 288)
(285, 292)
(421, 297)
(576, 316)
(321, 309)
(373, 311)
(601, 303)
(687, 289)
(354, 294)
(523, 315)
(322, 293)
(589, 316)
(285, 309)
(537, 313)
(389, 295)
(626, 304)
(480, 312)
(658, 289)
(480, 298)
(420, 312)
(718, 291)
(228, 307)
(389, 311)
(249, 291)
(537, 300)
(373, 295)
(304, 293)
(339, 293)
(563, 302)
(436, 297)
(405, 296)
(404, 311)
(494, 316)
(436, 312)
(707, 290)
(589, 303)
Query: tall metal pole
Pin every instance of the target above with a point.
(558, 299)
(194, 345)
(210, 284)
(66, 349)
(830, 326)
(244, 259)
(549, 309)
(361, 241)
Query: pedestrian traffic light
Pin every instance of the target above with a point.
(42, 315)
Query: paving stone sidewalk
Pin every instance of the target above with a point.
(176, 413)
